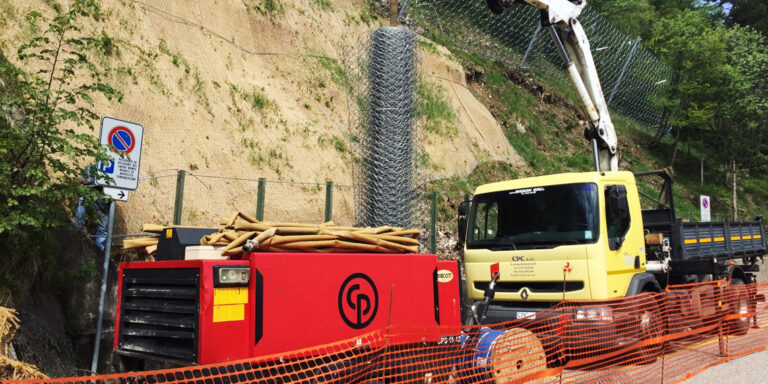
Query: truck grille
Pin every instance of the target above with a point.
(159, 313)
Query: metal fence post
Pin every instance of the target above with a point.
(328, 200)
(433, 225)
(530, 45)
(179, 197)
(260, 199)
(623, 71)
(401, 13)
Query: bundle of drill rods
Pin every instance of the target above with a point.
(242, 231)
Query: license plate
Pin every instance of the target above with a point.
(530, 315)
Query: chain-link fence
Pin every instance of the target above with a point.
(633, 79)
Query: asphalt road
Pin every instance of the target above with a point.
(746, 369)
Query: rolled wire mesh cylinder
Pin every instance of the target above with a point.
(387, 157)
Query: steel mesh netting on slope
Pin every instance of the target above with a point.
(515, 36)
(650, 338)
(386, 178)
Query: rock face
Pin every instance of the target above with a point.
(58, 318)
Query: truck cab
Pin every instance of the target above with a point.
(575, 236)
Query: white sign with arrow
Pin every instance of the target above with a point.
(116, 194)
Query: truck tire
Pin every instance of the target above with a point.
(739, 305)
(650, 327)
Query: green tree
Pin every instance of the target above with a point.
(752, 13)
(695, 48)
(635, 17)
(44, 143)
(741, 125)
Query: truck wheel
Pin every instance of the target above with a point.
(739, 305)
(650, 327)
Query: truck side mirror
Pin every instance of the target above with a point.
(463, 208)
(617, 201)
(462, 221)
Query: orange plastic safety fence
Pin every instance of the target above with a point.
(650, 338)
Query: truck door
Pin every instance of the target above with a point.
(624, 228)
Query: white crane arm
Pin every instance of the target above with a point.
(574, 49)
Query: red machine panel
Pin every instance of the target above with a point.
(292, 301)
(311, 299)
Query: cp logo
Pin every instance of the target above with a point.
(358, 300)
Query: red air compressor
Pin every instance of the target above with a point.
(185, 312)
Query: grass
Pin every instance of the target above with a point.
(323, 5)
(339, 144)
(339, 74)
(270, 8)
(256, 99)
(7, 12)
(433, 109)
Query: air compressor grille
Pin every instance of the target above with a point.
(159, 313)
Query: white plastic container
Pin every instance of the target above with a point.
(204, 252)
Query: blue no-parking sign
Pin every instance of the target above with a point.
(123, 141)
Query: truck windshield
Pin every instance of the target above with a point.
(541, 217)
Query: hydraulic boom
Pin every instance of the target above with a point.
(560, 18)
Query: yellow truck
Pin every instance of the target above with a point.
(585, 236)
(533, 243)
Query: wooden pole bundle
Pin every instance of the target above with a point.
(240, 229)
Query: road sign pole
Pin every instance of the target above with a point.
(103, 292)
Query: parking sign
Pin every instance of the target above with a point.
(123, 142)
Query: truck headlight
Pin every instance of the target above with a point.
(226, 276)
(593, 314)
